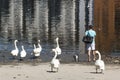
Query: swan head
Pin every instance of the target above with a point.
(39, 41)
(97, 52)
(57, 39)
(16, 40)
(22, 47)
(53, 50)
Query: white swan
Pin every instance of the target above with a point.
(55, 62)
(37, 50)
(58, 47)
(99, 63)
(23, 52)
(15, 51)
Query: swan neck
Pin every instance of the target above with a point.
(22, 48)
(55, 55)
(57, 43)
(15, 45)
(39, 45)
(99, 56)
(34, 46)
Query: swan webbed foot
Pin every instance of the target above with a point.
(51, 69)
(101, 71)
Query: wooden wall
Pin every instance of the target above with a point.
(104, 22)
(117, 25)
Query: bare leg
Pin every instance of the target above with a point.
(89, 55)
(96, 70)
(94, 57)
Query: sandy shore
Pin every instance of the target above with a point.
(70, 71)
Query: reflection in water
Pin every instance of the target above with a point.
(30, 20)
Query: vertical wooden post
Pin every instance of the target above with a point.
(81, 25)
(90, 6)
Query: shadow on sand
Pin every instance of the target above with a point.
(52, 71)
(96, 73)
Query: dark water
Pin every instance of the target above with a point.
(30, 20)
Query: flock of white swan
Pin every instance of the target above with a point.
(55, 62)
(23, 53)
(37, 51)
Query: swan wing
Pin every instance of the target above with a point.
(37, 54)
(55, 62)
(34, 51)
(23, 54)
(14, 52)
(100, 64)
(38, 49)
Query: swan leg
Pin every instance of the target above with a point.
(51, 67)
(96, 70)
(21, 59)
(13, 57)
(101, 70)
(57, 69)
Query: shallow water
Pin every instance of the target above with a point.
(30, 20)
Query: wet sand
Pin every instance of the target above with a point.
(71, 71)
